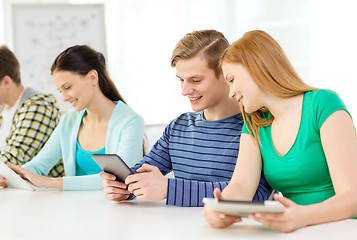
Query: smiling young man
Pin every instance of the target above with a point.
(27, 117)
(200, 147)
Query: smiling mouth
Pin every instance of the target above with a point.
(195, 98)
(73, 102)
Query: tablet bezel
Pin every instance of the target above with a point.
(243, 208)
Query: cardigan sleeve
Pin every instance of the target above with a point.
(87, 182)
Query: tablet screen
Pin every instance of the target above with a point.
(13, 179)
(113, 164)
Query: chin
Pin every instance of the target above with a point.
(78, 108)
(250, 110)
(197, 108)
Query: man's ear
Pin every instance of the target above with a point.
(6, 81)
(221, 78)
(93, 76)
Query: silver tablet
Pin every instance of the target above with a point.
(13, 179)
(243, 208)
(113, 164)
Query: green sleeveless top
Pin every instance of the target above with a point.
(302, 174)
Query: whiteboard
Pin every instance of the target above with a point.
(42, 31)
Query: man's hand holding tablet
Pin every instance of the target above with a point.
(114, 174)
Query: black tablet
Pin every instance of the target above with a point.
(113, 164)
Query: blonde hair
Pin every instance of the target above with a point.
(209, 43)
(271, 70)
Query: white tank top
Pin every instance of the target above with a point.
(7, 116)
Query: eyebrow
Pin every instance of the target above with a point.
(193, 76)
(62, 85)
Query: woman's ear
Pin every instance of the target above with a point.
(93, 76)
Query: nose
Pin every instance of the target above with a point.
(65, 97)
(187, 88)
(232, 93)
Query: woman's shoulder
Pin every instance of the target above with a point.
(124, 118)
(322, 95)
(123, 113)
(322, 99)
(322, 103)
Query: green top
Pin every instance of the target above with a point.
(302, 174)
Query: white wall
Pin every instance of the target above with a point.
(333, 25)
(2, 23)
(149, 31)
(319, 37)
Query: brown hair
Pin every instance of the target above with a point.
(9, 65)
(81, 59)
(209, 43)
(269, 67)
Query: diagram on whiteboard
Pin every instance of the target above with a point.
(42, 31)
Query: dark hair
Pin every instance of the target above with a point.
(81, 59)
(9, 65)
(210, 43)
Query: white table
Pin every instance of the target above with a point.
(88, 215)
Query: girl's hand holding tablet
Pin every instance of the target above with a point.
(218, 219)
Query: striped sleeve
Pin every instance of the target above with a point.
(189, 193)
(159, 155)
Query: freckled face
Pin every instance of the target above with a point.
(242, 86)
(76, 89)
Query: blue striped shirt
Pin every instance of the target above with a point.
(202, 154)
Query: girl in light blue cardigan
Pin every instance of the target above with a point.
(100, 123)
